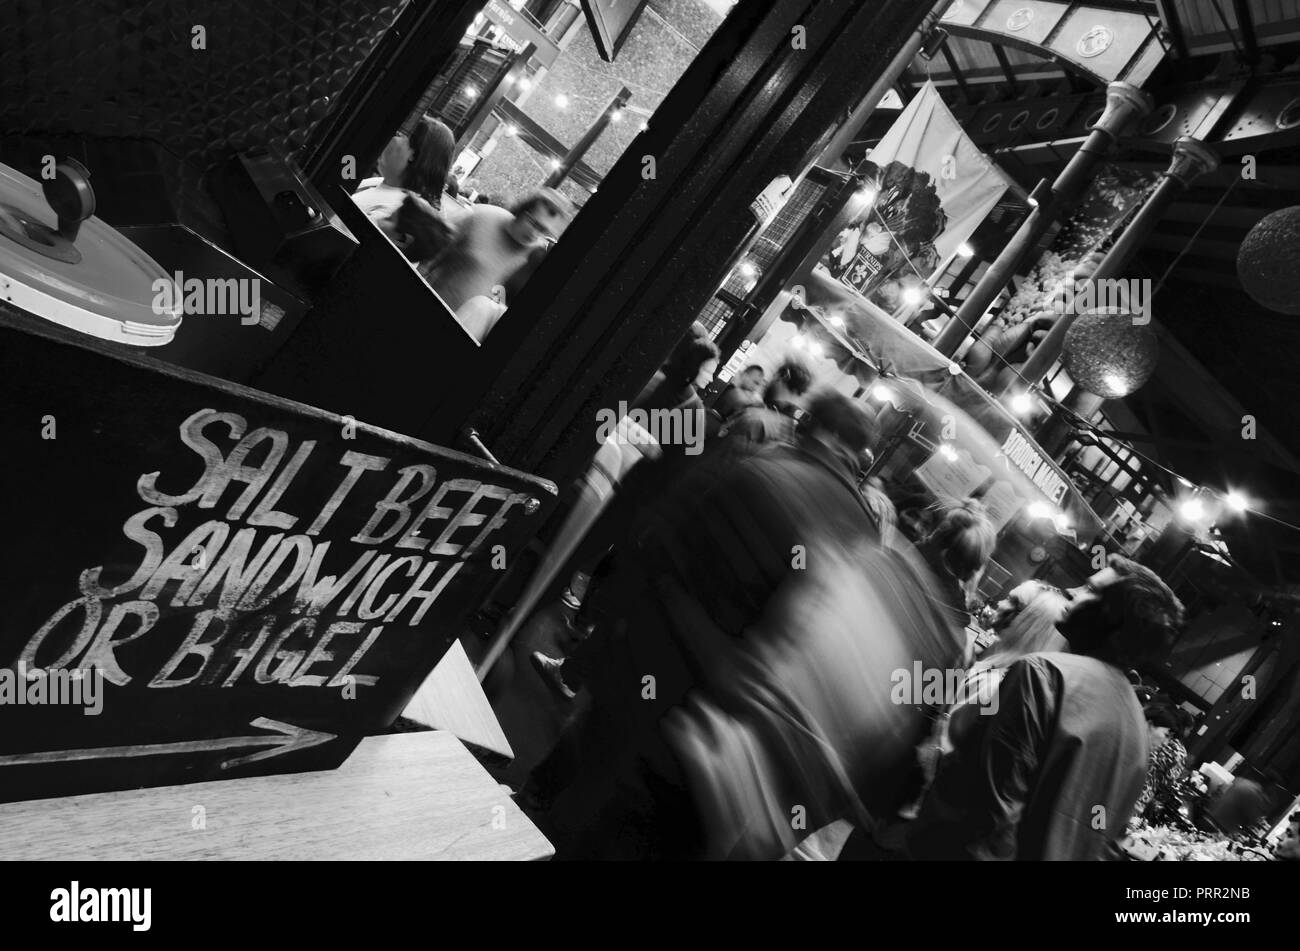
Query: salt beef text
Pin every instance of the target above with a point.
(235, 580)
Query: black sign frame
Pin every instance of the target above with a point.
(609, 32)
(199, 671)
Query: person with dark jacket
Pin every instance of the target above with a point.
(697, 573)
(777, 418)
(746, 390)
(674, 388)
(1055, 771)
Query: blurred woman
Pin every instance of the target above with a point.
(958, 549)
(678, 385)
(405, 199)
(417, 164)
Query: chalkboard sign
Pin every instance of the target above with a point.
(202, 581)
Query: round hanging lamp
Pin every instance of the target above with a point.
(1268, 261)
(1110, 355)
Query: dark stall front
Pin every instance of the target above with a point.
(220, 523)
(254, 584)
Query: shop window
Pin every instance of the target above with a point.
(538, 102)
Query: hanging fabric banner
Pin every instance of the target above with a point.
(928, 187)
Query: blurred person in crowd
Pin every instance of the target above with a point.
(776, 420)
(1240, 807)
(679, 383)
(492, 254)
(418, 230)
(958, 547)
(675, 387)
(412, 175)
(1025, 623)
(1055, 772)
(1289, 848)
(802, 720)
(881, 506)
(698, 570)
(746, 390)
(1160, 799)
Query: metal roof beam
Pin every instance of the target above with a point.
(956, 72)
(1246, 23)
(1007, 71)
(1168, 10)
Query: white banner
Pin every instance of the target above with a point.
(929, 187)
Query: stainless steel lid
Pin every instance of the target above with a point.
(59, 262)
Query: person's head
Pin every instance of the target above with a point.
(1025, 621)
(419, 162)
(843, 424)
(751, 379)
(963, 537)
(540, 216)
(419, 231)
(693, 362)
(1123, 614)
(1163, 722)
(453, 186)
(788, 385)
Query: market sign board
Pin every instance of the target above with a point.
(203, 581)
(1025, 456)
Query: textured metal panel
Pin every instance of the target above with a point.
(269, 73)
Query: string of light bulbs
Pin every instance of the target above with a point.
(1234, 499)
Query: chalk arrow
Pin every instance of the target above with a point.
(290, 739)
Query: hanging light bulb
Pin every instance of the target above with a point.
(525, 83)
(562, 101)
(616, 115)
(947, 451)
(964, 250)
(1191, 509)
(882, 393)
(1022, 403)
(1237, 501)
(1041, 510)
(471, 92)
(913, 296)
(837, 322)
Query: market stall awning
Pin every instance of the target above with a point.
(974, 431)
